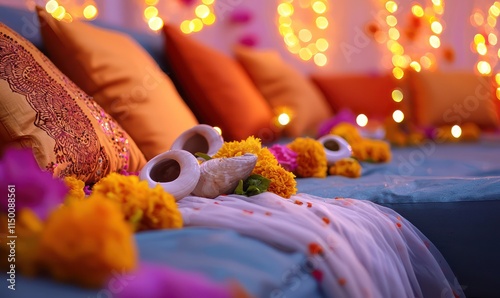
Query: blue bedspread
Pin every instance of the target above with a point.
(451, 192)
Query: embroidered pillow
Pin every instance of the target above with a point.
(122, 78)
(42, 109)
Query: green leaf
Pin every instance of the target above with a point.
(253, 185)
(203, 155)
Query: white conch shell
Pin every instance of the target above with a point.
(335, 148)
(177, 171)
(221, 175)
(200, 138)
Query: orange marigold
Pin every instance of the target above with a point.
(76, 187)
(144, 207)
(311, 158)
(372, 150)
(283, 182)
(348, 167)
(85, 242)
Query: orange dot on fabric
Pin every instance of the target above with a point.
(248, 211)
(268, 213)
(398, 225)
(299, 203)
(315, 248)
(342, 281)
(326, 220)
(309, 204)
(216, 203)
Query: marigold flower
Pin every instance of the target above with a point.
(348, 167)
(347, 131)
(76, 189)
(372, 150)
(311, 158)
(85, 242)
(237, 148)
(144, 207)
(282, 181)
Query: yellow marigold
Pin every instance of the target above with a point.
(283, 182)
(144, 207)
(75, 186)
(311, 158)
(85, 242)
(372, 150)
(348, 167)
(347, 131)
(237, 148)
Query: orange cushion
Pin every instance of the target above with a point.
(283, 86)
(217, 89)
(122, 77)
(42, 109)
(453, 98)
(362, 94)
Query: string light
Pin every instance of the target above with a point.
(485, 42)
(302, 41)
(62, 13)
(456, 131)
(401, 59)
(362, 120)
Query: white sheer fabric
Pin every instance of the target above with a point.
(355, 248)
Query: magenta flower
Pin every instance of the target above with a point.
(156, 281)
(26, 183)
(286, 157)
(344, 115)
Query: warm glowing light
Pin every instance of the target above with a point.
(319, 7)
(305, 35)
(51, 6)
(456, 131)
(285, 21)
(492, 21)
(305, 54)
(492, 39)
(397, 95)
(497, 78)
(321, 22)
(416, 66)
(285, 9)
(202, 11)
(497, 93)
(210, 19)
(90, 12)
(186, 27)
(437, 2)
(150, 12)
(395, 47)
(481, 49)
(198, 25)
(391, 6)
(436, 27)
(217, 129)
(208, 2)
(479, 38)
(394, 33)
(398, 73)
(434, 41)
(391, 20)
(155, 23)
(494, 11)
(398, 116)
(151, 2)
(320, 59)
(59, 13)
(362, 120)
(67, 18)
(477, 19)
(283, 119)
(322, 44)
(483, 67)
(417, 10)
